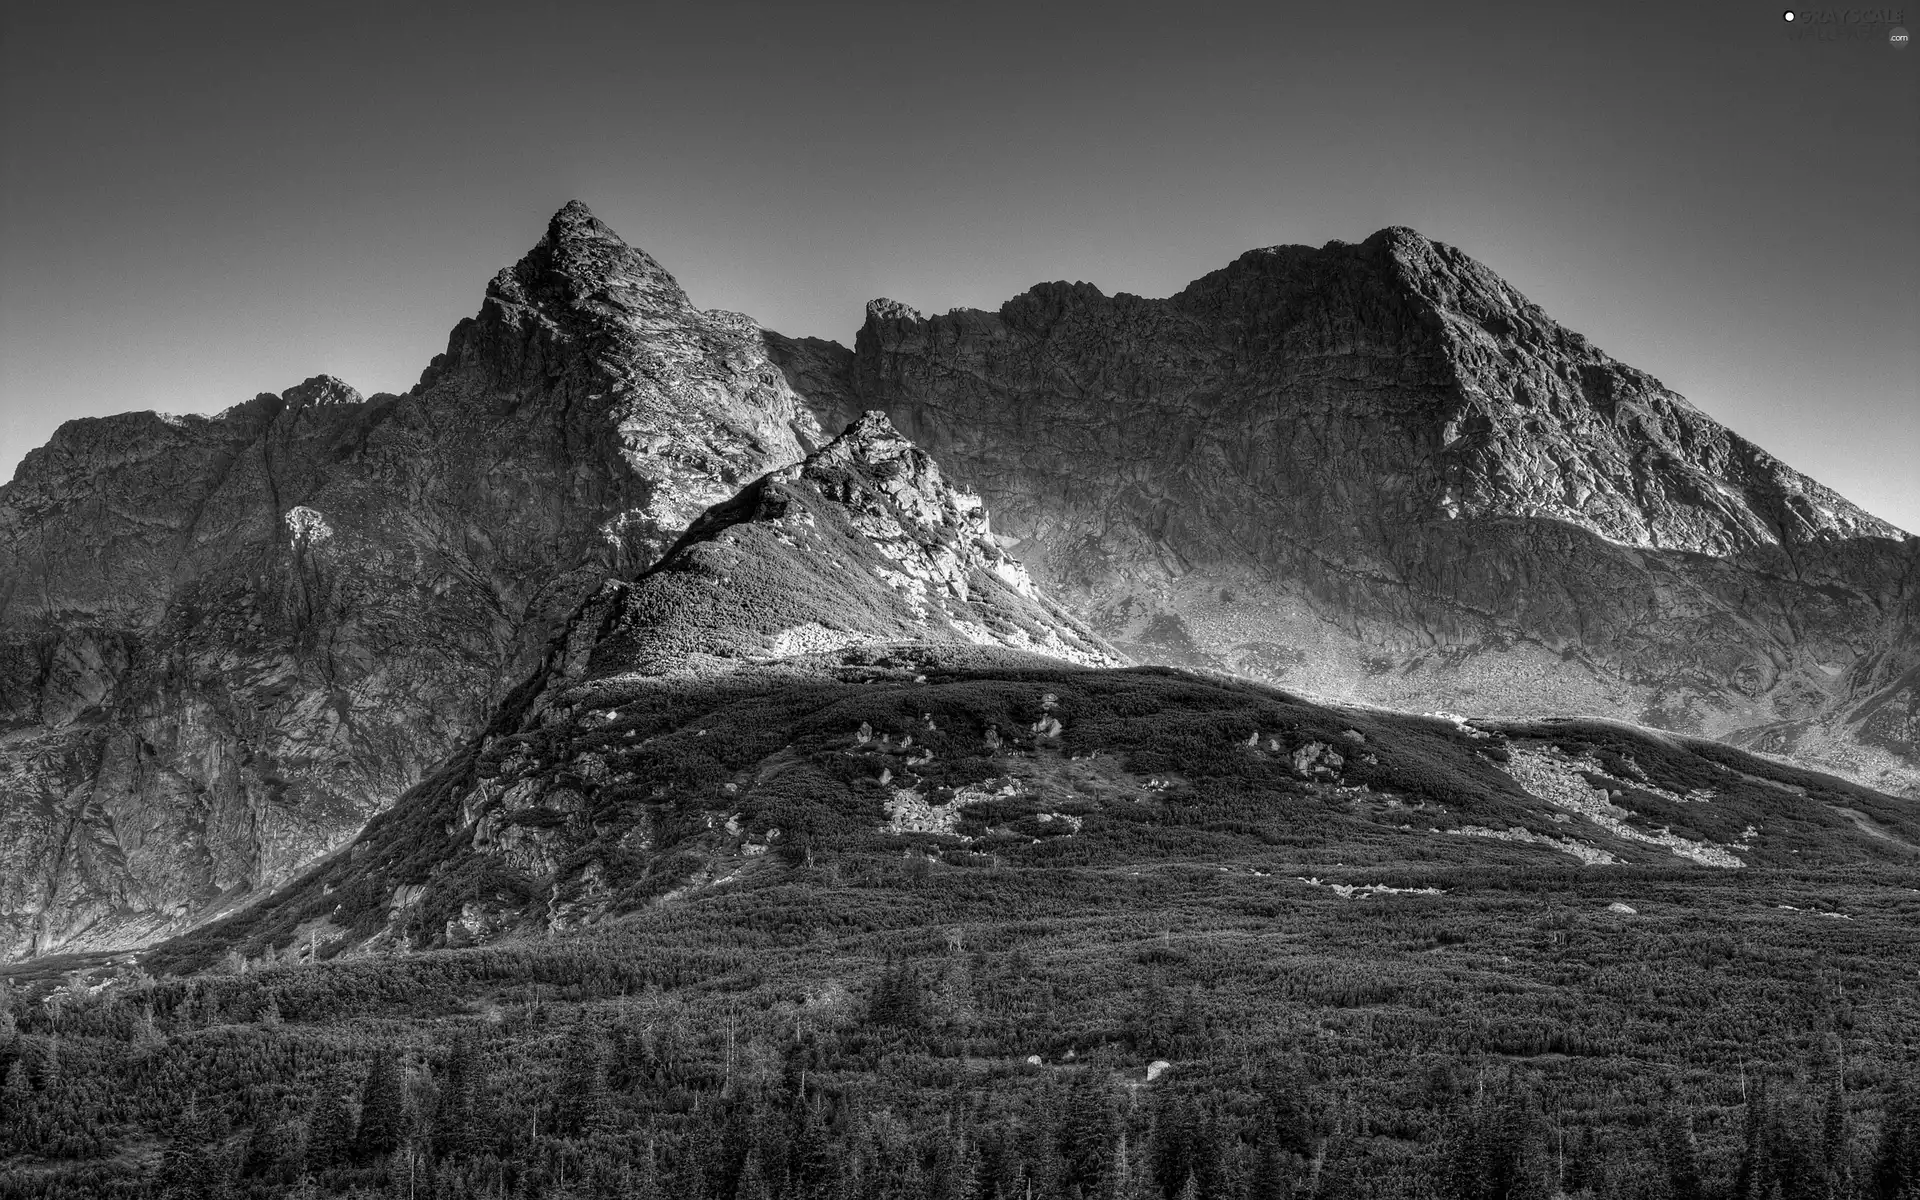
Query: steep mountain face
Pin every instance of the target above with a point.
(863, 544)
(860, 559)
(226, 641)
(842, 664)
(1378, 473)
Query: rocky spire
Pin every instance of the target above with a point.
(864, 543)
(256, 629)
(581, 293)
(582, 262)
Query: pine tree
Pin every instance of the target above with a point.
(330, 1128)
(191, 1166)
(645, 1184)
(589, 1100)
(1677, 1155)
(1834, 1137)
(273, 1150)
(898, 998)
(702, 1169)
(1790, 1160)
(956, 1167)
(1270, 1174)
(48, 1066)
(812, 1169)
(1000, 1168)
(1045, 1168)
(383, 1110)
(752, 1184)
(146, 1038)
(16, 1103)
(1495, 1149)
(456, 1111)
(1896, 1160)
(1131, 1179)
(1088, 1133)
(1750, 1178)
(1289, 1103)
(1173, 1144)
(204, 1009)
(1833, 1125)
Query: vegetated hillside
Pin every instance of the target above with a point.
(226, 641)
(630, 790)
(1377, 473)
(1130, 958)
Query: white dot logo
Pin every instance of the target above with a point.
(1788, 16)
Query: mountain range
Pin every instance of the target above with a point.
(626, 598)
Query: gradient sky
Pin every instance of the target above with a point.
(202, 202)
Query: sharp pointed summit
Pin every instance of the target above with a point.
(583, 259)
(226, 641)
(863, 544)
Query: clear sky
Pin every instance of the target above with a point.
(202, 202)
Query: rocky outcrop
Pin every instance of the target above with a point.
(596, 787)
(1377, 472)
(226, 641)
(862, 545)
(858, 553)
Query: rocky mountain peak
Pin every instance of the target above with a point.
(872, 447)
(1407, 248)
(876, 452)
(226, 641)
(582, 260)
(948, 526)
(862, 544)
(321, 390)
(884, 309)
(1377, 470)
(581, 300)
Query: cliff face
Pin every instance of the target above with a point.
(594, 785)
(227, 641)
(1377, 472)
(864, 544)
(842, 660)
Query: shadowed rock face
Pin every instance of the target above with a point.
(226, 641)
(857, 564)
(1377, 472)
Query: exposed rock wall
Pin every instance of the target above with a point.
(865, 544)
(553, 814)
(1377, 472)
(226, 641)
